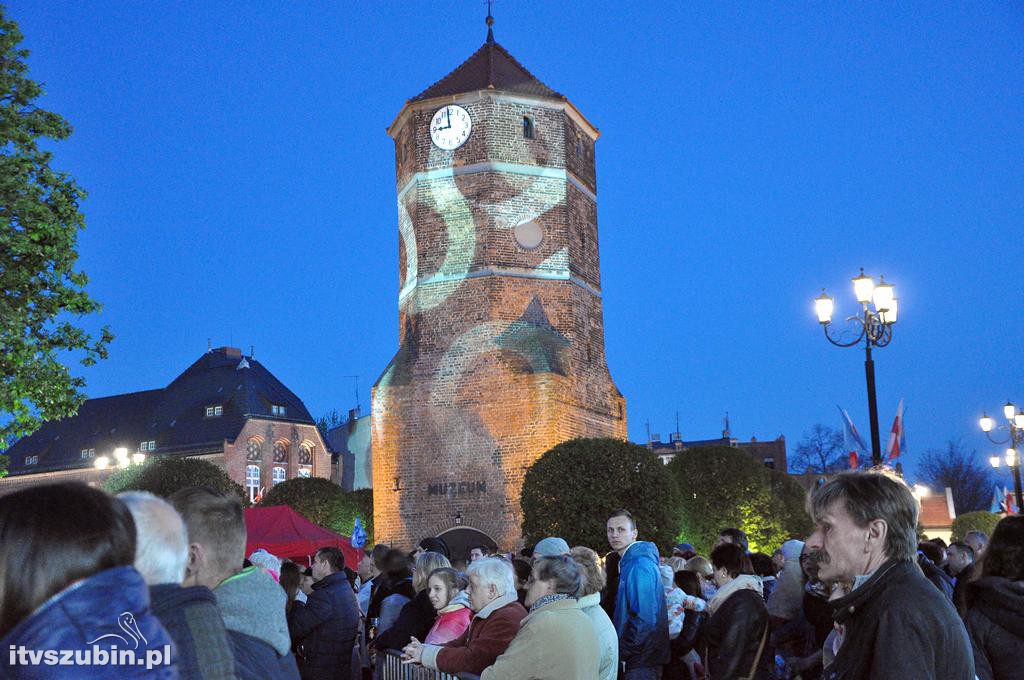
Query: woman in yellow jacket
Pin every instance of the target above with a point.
(556, 640)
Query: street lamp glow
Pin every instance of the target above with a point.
(102, 462)
(994, 460)
(1011, 456)
(823, 307)
(1018, 420)
(121, 453)
(1009, 410)
(883, 295)
(920, 491)
(863, 287)
(890, 315)
(986, 423)
(139, 458)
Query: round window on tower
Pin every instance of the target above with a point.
(529, 235)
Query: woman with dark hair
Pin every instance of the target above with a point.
(556, 640)
(687, 648)
(290, 579)
(737, 629)
(394, 591)
(67, 581)
(995, 604)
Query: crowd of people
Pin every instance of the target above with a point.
(862, 597)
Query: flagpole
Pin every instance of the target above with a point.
(876, 442)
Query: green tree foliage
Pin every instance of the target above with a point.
(322, 502)
(571, 490)
(162, 476)
(974, 521)
(720, 486)
(41, 293)
(4, 462)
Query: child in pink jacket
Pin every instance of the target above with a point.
(445, 590)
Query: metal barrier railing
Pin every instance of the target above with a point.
(390, 667)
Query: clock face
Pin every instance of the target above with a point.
(450, 127)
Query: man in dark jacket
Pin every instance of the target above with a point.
(325, 627)
(960, 561)
(641, 617)
(929, 556)
(896, 624)
(251, 603)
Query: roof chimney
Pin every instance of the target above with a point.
(232, 352)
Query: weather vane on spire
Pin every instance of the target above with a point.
(490, 21)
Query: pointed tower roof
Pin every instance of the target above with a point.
(490, 67)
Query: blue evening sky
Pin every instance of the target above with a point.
(241, 188)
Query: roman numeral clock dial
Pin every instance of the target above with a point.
(450, 127)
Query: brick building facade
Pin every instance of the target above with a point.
(225, 408)
(500, 321)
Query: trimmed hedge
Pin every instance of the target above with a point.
(323, 502)
(571, 489)
(979, 520)
(163, 475)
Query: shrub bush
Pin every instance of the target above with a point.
(571, 489)
(163, 475)
(323, 502)
(978, 520)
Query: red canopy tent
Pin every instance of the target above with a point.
(285, 533)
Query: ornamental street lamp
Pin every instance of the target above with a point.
(1014, 428)
(873, 326)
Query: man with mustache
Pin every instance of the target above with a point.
(897, 625)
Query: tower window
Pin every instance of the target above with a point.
(528, 131)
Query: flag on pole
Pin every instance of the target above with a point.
(997, 500)
(852, 440)
(358, 538)
(896, 437)
(1011, 501)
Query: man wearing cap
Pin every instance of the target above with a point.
(552, 546)
(684, 550)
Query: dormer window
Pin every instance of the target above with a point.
(88, 453)
(214, 411)
(528, 131)
(31, 460)
(147, 446)
(277, 410)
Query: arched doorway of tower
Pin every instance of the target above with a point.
(461, 539)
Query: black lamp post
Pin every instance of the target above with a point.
(1015, 431)
(873, 326)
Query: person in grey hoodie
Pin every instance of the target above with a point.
(250, 601)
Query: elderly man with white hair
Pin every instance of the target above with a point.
(492, 595)
(190, 615)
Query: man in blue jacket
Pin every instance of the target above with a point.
(641, 618)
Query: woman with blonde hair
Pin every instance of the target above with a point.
(417, 616)
(590, 603)
(703, 569)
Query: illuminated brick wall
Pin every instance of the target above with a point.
(502, 346)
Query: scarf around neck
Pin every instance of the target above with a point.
(741, 582)
(548, 599)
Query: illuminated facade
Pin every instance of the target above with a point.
(499, 310)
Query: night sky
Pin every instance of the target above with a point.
(241, 188)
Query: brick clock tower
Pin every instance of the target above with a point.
(499, 305)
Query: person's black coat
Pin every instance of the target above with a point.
(415, 620)
(690, 637)
(325, 628)
(611, 586)
(899, 626)
(939, 578)
(995, 622)
(733, 635)
(254, 658)
(960, 589)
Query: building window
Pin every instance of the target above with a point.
(278, 475)
(528, 131)
(214, 411)
(277, 410)
(88, 453)
(147, 446)
(31, 460)
(305, 472)
(280, 452)
(305, 455)
(252, 480)
(254, 451)
(769, 463)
